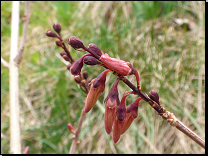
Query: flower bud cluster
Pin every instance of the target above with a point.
(118, 117)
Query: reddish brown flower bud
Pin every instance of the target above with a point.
(65, 57)
(63, 53)
(50, 33)
(119, 121)
(84, 82)
(26, 150)
(75, 42)
(95, 49)
(85, 75)
(112, 100)
(58, 43)
(90, 60)
(57, 27)
(77, 79)
(116, 65)
(96, 88)
(154, 96)
(68, 66)
(71, 128)
(132, 113)
(77, 66)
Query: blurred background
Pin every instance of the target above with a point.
(164, 41)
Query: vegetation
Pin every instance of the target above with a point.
(170, 59)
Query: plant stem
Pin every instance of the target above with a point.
(170, 117)
(75, 140)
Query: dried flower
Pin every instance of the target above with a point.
(111, 101)
(119, 66)
(96, 88)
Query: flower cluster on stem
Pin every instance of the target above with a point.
(118, 117)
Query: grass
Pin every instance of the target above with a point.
(170, 61)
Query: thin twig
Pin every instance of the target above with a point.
(24, 32)
(75, 140)
(4, 63)
(170, 117)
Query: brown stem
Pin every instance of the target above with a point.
(71, 60)
(75, 140)
(170, 117)
(24, 32)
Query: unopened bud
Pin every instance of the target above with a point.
(85, 75)
(68, 66)
(154, 96)
(90, 60)
(26, 150)
(77, 80)
(95, 49)
(58, 43)
(57, 27)
(84, 82)
(65, 57)
(50, 33)
(63, 53)
(75, 42)
(71, 128)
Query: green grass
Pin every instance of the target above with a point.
(170, 61)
